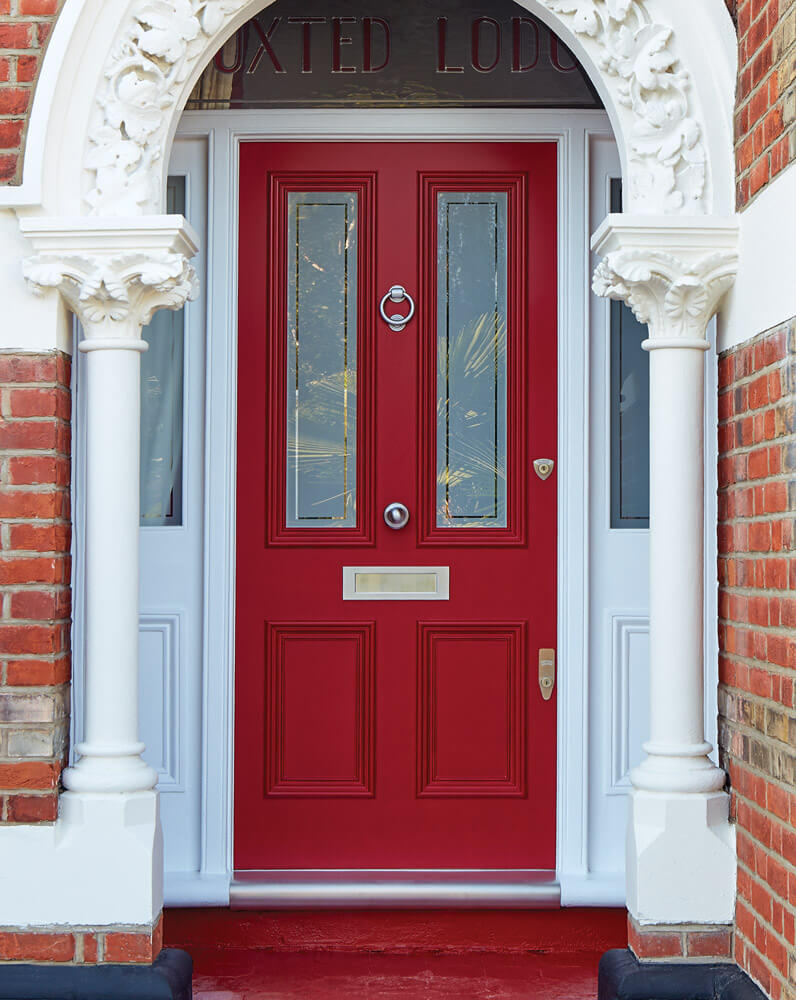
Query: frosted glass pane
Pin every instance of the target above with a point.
(471, 366)
(321, 359)
(162, 403)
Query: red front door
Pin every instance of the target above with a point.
(388, 707)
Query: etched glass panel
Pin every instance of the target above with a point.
(630, 411)
(162, 404)
(471, 365)
(321, 359)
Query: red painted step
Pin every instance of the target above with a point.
(398, 932)
(257, 975)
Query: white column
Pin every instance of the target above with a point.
(110, 758)
(681, 855)
(113, 274)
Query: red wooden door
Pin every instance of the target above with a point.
(395, 733)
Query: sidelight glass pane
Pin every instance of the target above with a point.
(162, 403)
(471, 365)
(630, 405)
(321, 359)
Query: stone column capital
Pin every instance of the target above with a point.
(673, 273)
(114, 278)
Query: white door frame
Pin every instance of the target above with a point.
(570, 130)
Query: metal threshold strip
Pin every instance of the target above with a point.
(395, 889)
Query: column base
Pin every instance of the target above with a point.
(168, 978)
(623, 977)
(681, 863)
(99, 865)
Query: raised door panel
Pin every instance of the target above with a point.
(320, 710)
(472, 732)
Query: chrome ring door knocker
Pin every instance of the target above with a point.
(397, 294)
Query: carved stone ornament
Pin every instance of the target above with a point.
(108, 289)
(163, 42)
(677, 298)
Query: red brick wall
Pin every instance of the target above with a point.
(25, 27)
(35, 405)
(765, 117)
(757, 635)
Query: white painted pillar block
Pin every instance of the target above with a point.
(681, 849)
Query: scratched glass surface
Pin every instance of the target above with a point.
(393, 53)
(321, 393)
(471, 359)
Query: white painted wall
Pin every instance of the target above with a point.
(765, 289)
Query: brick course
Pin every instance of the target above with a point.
(693, 943)
(25, 27)
(757, 635)
(82, 945)
(765, 116)
(35, 597)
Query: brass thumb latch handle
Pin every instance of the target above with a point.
(547, 672)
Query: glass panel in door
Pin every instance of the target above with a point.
(471, 359)
(321, 468)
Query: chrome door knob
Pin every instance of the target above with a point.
(396, 516)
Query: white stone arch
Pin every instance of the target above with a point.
(114, 82)
(117, 75)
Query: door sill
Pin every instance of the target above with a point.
(382, 888)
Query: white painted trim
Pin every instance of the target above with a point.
(171, 626)
(593, 889)
(390, 125)
(623, 625)
(196, 889)
(225, 131)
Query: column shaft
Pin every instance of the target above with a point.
(676, 550)
(110, 751)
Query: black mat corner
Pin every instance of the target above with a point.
(623, 977)
(168, 978)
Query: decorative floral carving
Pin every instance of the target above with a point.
(666, 152)
(676, 297)
(154, 56)
(163, 41)
(118, 287)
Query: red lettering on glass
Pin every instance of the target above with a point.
(555, 56)
(306, 42)
(338, 41)
(240, 52)
(265, 46)
(442, 42)
(475, 44)
(517, 24)
(368, 24)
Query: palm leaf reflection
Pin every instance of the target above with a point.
(321, 442)
(471, 463)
